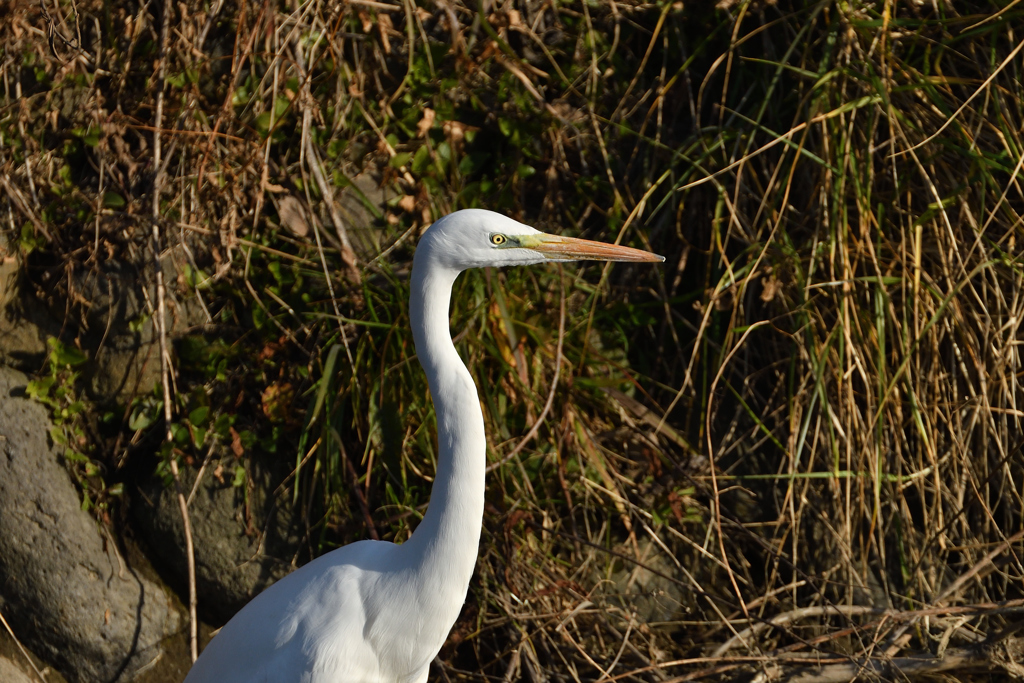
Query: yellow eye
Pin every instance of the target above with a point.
(498, 240)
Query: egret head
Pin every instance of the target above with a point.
(474, 238)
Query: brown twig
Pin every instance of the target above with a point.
(161, 324)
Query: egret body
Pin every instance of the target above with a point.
(373, 611)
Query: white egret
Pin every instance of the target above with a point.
(373, 611)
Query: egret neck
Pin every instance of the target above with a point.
(447, 540)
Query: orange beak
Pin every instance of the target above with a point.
(573, 249)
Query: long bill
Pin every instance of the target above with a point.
(560, 248)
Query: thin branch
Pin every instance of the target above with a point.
(161, 324)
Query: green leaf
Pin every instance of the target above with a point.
(90, 136)
(62, 355)
(222, 425)
(444, 152)
(400, 159)
(262, 122)
(30, 241)
(420, 160)
(335, 147)
(471, 163)
(280, 107)
(525, 171)
(180, 433)
(74, 456)
(199, 416)
(339, 179)
(136, 324)
(39, 389)
(113, 200)
(259, 317)
(57, 435)
(239, 479)
(240, 97)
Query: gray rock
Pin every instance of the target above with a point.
(65, 589)
(12, 673)
(119, 334)
(649, 595)
(23, 328)
(353, 205)
(22, 339)
(240, 546)
(10, 267)
(121, 374)
(115, 328)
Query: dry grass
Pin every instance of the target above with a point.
(793, 452)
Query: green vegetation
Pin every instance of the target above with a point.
(57, 388)
(815, 404)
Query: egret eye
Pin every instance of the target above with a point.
(498, 239)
